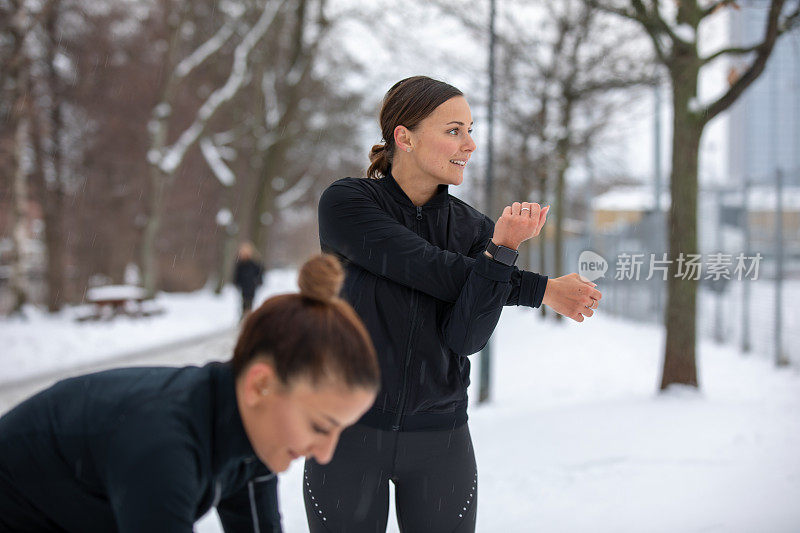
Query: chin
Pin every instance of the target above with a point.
(448, 178)
(453, 180)
(275, 464)
(280, 466)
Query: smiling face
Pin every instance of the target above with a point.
(286, 422)
(441, 144)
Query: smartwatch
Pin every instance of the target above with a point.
(502, 254)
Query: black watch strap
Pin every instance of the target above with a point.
(502, 254)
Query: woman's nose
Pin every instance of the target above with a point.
(323, 452)
(470, 144)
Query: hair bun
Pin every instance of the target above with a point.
(321, 278)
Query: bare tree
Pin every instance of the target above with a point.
(673, 31)
(561, 88)
(20, 23)
(165, 158)
(48, 122)
(279, 128)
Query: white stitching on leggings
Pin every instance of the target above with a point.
(469, 498)
(316, 504)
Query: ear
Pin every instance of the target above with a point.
(402, 138)
(260, 380)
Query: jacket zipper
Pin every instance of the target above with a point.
(401, 402)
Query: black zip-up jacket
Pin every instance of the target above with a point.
(132, 450)
(428, 295)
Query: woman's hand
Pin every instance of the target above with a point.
(572, 296)
(518, 223)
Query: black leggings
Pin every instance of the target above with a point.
(434, 473)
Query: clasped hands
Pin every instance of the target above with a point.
(572, 295)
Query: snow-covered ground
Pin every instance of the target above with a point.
(575, 438)
(46, 343)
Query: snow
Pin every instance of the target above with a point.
(295, 193)
(685, 32)
(26, 351)
(224, 217)
(575, 437)
(630, 199)
(115, 292)
(763, 199)
(215, 162)
(204, 51)
(641, 198)
(175, 154)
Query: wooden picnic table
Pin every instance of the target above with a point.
(113, 300)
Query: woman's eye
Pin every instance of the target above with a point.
(318, 429)
(453, 130)
(469, 131)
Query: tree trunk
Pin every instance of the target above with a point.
(18, 280)
(19, 73)
(562, 164)
(53, 192)
(679, 355)
(226, 251)
(149, 253)
(227, 257)
(542, 172)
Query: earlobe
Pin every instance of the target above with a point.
(402, 138)
(259, 381)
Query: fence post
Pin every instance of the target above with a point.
(718, 336)
(747, 250)
(780, 356)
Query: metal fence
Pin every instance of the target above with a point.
(753, 310)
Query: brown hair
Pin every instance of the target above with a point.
(313, 334)
(407, 103)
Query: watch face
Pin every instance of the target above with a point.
(502, 254)
(507, 256)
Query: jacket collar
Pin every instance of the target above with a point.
(230, 442)
(440, 198)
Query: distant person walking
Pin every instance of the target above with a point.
(248, 276)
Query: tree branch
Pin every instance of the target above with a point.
(653, 17)
(639, 16)
(175, 154)
(711, 9)
(204, 51)
(738, 51)
(755, 69)
(785, 26)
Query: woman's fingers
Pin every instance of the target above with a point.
(542, 219)
(507, 210)
(515, 207)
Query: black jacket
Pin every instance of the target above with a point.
(248, 276)
(135, 449)
(418, 278)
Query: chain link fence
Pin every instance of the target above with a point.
(748, 269)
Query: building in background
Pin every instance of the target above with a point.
(764, 132)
